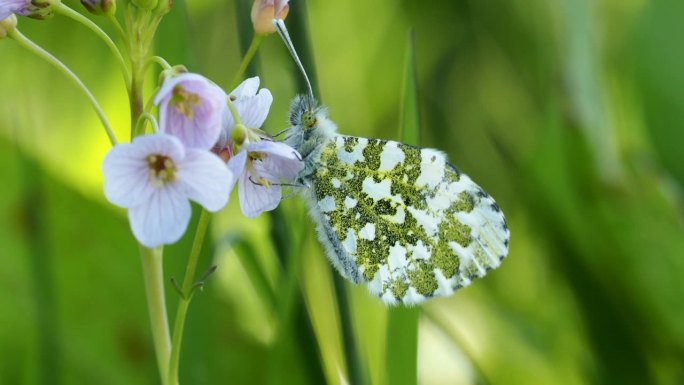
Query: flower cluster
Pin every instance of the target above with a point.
(156, 175)
(259, 164)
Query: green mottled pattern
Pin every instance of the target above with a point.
(341, 181)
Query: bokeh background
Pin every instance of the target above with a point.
(569, 112)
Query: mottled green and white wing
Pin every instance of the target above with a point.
(403, 220)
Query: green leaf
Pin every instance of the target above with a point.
(247, 254)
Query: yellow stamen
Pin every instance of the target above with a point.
(264, 183)
(162, 170)
(185, 101)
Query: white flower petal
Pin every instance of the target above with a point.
(254, 110)
(207, 179)
(275, 148)
(126, 181)
(236, 165)
(276, 168)
(248, 87)
(163, 218)
(167, 145)
(254, 198)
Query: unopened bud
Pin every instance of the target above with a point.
(144, 4)
(7, 25)
(99, 7)
(239, 134)
(263, 13)
(43, 9)
(164, 7)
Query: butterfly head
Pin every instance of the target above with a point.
(304, 111)
(309, 124)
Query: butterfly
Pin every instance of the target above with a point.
(400, 219)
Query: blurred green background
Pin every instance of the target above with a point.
(568, 112)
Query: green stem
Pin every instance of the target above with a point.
(135, 97)
(159, 60)
(33, 47)
(140, 126)
(141, 26)
(154, 290)
(150, 101)
(233, 112)
(117, 26)
(249, 55)
(184, 301)
(137, 34)
(66, 11)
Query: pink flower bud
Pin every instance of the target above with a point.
(43, 9)
(98, 7)
(263, 13)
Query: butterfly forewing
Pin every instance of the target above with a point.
(402, 219)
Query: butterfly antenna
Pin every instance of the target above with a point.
(279, 24)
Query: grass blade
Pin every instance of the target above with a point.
(355, 365)
(402, 322)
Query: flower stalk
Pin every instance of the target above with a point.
(70, 13)
(36, 49)
(117, 26)
(249, 55)
(156, 303)
(184, 301)
(142, 123)
(160, 61)
(138, 36)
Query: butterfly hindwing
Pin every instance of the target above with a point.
(402, 219)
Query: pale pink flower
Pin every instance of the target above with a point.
(155, 176)
(261, 168)
(19, 7)
(191, 108)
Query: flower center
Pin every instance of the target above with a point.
(162, 170)
(185, 101)
(257, 156)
